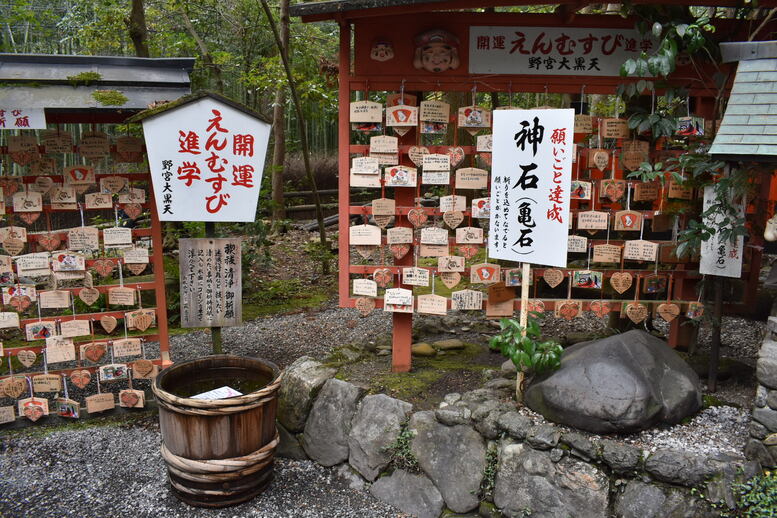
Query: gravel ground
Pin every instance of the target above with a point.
(115, 471)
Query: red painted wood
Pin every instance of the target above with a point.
(343, 159)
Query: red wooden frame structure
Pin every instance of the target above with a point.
(362, 22)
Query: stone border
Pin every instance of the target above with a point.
(477, 454)
(763, 429)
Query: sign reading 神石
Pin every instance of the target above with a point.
(531, 175)
(211, 290)
(206, 159)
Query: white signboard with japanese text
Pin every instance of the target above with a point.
(16, 118)
(211, 287)
(720, 256)
(206, 160)
(532, 167)
(553, 50)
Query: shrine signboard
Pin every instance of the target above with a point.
(553, 51)
(206, 159)
(211, 289)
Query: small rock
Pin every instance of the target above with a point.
(622, 458)
(556, 454)
(514, 424)
(766, 370)
(640, 500)
(758, 430)
(755, 450)
(347, 473)
(383, 352)
(543, 437)
(481, 411)
(508, 366)
(581, 445)
(465, 329)
(448, 345)
(760, 396)
(678, 467)
(767, 417)
(453, 415)
(423, 349)
(500, 384)
(771, 399)
(488, 427)
(413, 494)
(452, 398)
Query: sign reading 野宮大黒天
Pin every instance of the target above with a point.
(531, 175)
(553, 50)
(211, 289)
(206, 159)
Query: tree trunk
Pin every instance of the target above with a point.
(138, 32)
(279, 127)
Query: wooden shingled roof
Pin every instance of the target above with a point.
(749, 127)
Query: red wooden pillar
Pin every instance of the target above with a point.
(343, 162)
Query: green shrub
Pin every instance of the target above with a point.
(757, 497)
(529, 353)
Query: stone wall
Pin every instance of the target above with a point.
(763, 429)
(477, 455)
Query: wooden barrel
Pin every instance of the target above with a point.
(218, 452)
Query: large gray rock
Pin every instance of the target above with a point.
(301, 382)
(528, 480)
(374, 428)
(326, 431)
(767, 417)
(454, 457)
(680, 467)
(289, 446)
(641, 500)
(625, 382)
(413, 494)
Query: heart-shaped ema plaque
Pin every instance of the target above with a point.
(9, 184)
(450, 279)
(636, 312)
(599, 158)
(142, 368)
(136, 268)
(80, 378)
(14, 387)
(485, 158)
(132, 210)
(569, 309)
(43, 184)
(94, 351)
(382, 277)
(23, 157)
(29, 217)
(365, 305)
(416, 154)
(456, 155)
(143, 321)
(600, 308)
(467, 251)
(535, 306)
(108, 322)
(131, 398)
(13, 245)
(399, 250)
(365, 251)
(453, 218)
(417, 217)
(613, 190)
(89, 295)
(104, 267)
(26, 357)
(20, 302)
(49, 242)
(33, 411)
(382, 221)
(668, 311)
(621, 281)
(553, 277)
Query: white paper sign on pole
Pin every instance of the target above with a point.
(206, 159)
(16, 118)
(553, 51)
(720, 256)
(532, 167)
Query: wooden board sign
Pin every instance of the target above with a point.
(211, 288)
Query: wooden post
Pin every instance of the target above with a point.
(717, 310)
(160, 294)
(523, 320)
(343, 164)
(215, 332)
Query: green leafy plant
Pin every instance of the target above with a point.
(489, 473)
(648, 172)
(525, 347)
(400, 453)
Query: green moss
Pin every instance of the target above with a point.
(84, 78)
(406, 385)
(110, 97)
(124, 420)
(710, 401)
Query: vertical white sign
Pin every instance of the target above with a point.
(531, 178)
(206, 160)
(720, 256)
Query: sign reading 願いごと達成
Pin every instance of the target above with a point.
(206, 159)
(530, 187)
